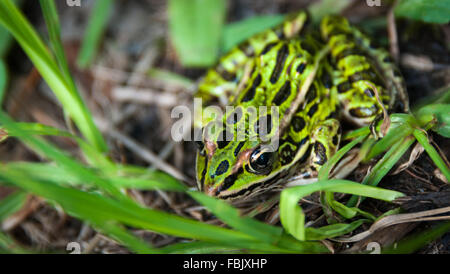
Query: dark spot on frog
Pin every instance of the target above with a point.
(283, 94)
(229, 181)
(250, 94)
(221, 169)
(335, 140)
(298, 123)
(369, 92)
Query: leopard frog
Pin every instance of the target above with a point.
(316, 79)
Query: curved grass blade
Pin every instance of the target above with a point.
(434, 155)
(331, 231)
(231, 216)
(438, 112)
(99, 210)
(261, 231)
(292, 216)
(53, 26)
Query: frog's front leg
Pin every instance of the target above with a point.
(324, 143)
(325, 140)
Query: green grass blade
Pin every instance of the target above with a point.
(196, 29)
(434, 155)
(345, 211)
(99, 210)
(140, 178)
(6, 38)
(292, 216)
(5, 41)
(331, 231)
(261, 231)
(15, 201)
(11, 204)
(441, 96)
(26, 36)
(231, 216)
(383, 166)
(49, 151)
(394, 135)
(154, 180)
(324, 172)
(416, 241)
(356, 133)
(4, 76)
(430, 11)
(439, 112)
(26, 129)
(52, 21)
(92, 155)
(8, 244)
(96, 27)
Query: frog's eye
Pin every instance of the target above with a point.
(261, 161)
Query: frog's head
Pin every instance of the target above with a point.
(234, 163)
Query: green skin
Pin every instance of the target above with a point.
(283, 67)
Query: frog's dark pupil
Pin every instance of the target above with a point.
(263, 159)
(261, 163)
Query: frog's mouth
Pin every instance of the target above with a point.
(221, 191)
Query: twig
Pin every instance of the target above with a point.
(143, 96)
(145, 63)
(398, 219)
(392, 33)
(93, 243)
(417, 62)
